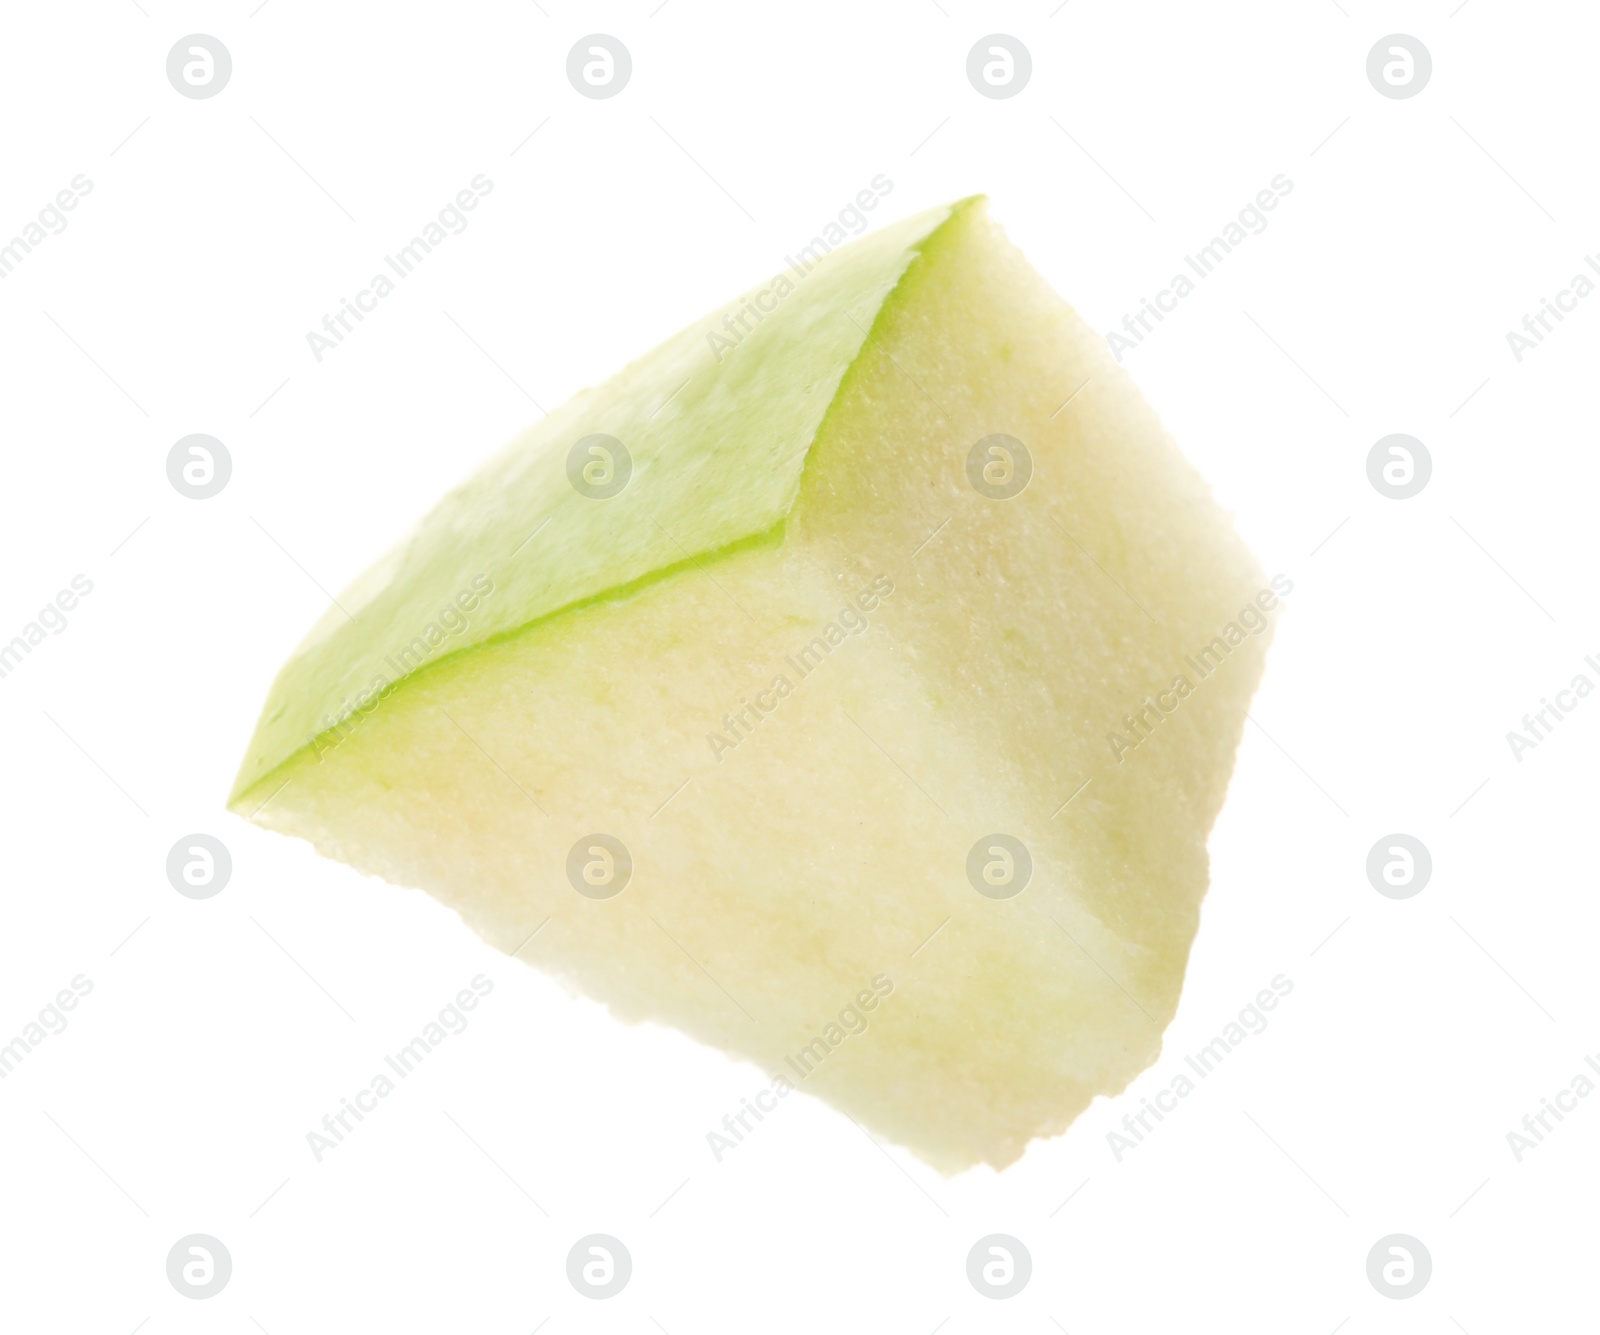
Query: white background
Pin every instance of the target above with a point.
(218, 1034)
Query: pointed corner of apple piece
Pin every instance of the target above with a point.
(235, 801)
(252, 788)
(978, 201)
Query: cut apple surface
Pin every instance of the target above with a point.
(851, 684)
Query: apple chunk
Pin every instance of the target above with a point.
(817, 718)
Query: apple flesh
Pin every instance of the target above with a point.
(820, 687)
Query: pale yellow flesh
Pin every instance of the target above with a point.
(772, 881)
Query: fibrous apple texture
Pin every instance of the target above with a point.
(794, 685)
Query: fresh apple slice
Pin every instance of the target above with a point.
(865, 733)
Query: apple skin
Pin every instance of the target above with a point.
(717, 438)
